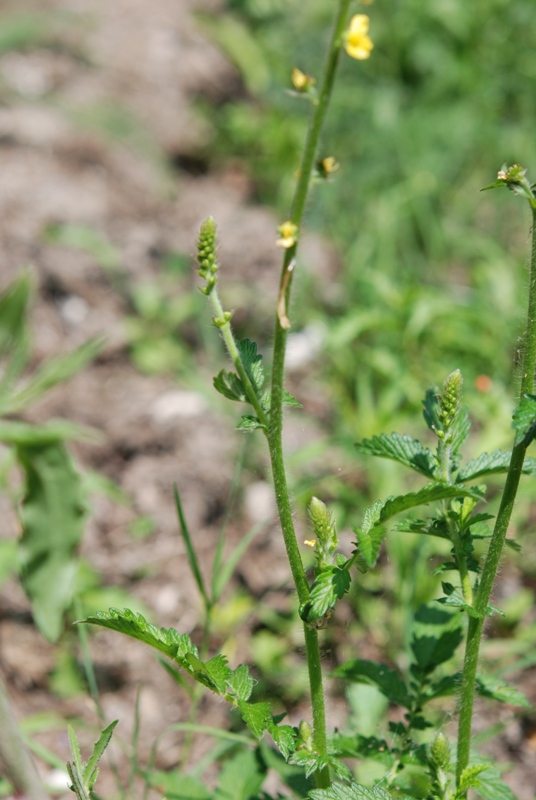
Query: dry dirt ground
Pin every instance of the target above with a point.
(151, 59)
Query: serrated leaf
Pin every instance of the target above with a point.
(492, 464)
(453, 599)
(173, 644)
(314, 762)
(488, 686)
(430, 410)
(257, 716)
(52, 518)
(252, 363)
(436, 635)
(469, 778)
(428, 494)
(461, 428)
(388, 681)
(492, 787)
(353, 791)
(524, 420)
(370, 535)
(241, 682)
(444, 687)
(328, 587)
(284, 737)
(219, 672)
(427, 527)
(230, 386)
(402, 448)
(249, 423)
(290, 401)
(429, 651)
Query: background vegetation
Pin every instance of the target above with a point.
(431, 274)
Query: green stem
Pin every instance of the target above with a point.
(228, 337)
(445, 461)
(275, 430)
(489, 571)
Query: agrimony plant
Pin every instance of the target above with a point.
(417, 759)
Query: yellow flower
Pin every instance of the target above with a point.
(310, 542)
(357, 42)
(288, 234)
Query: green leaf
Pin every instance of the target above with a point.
(285, 738)
(52, 518)
(241, 776)
(190, 551)
(492, 464)
(427, 527)
(431, 410)
(407, 451)
(370, 535)
(289, 401)
(176, 646)
(428, 494)
(252, 363)
(353, 791)
(491, 787)
(24, 434)
(488, 686)
(436, 635)
(524, 420)
(314, 762)
(175, 785)
(329, 586)
(14, 332)
(230, 386)
(84, 776)
(91, 770)
(249, 423)
(51, 373)
(461, 428)
(359, 746)
(388, 681)
(444, 687)
(454, 599)
(213, 674)
(241, 683)
(257, 716)
(469, 778)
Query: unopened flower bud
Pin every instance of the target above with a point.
(451, 397)
(440, 752)
(288, 234)
(206, 254)
(301, 81)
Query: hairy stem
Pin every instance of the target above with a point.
(230, 343)
(489, 571)
(275, 430)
